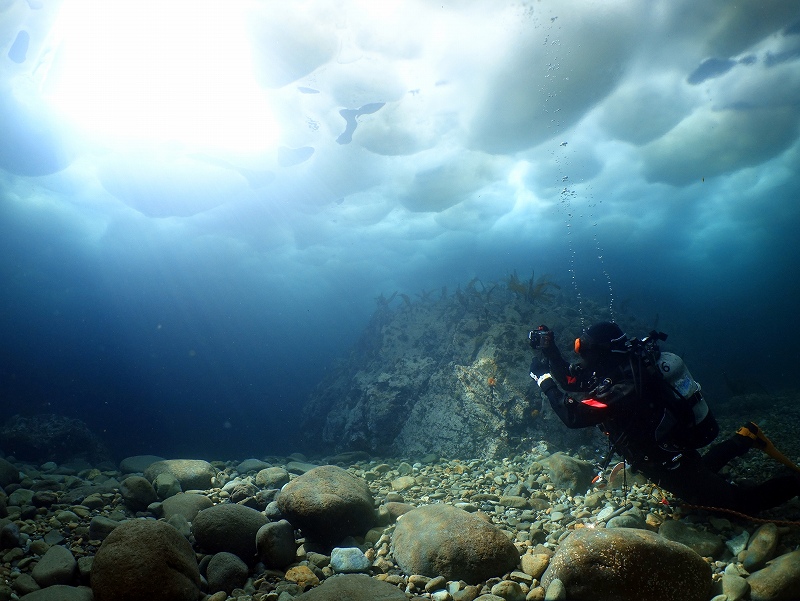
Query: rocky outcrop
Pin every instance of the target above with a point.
(49, 437)
(446, 375)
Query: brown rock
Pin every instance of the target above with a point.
(567, 472)
(353, 587)
(534, 564)
(779, 581)
(303, 576)
(228, 527)
(145, 559)
(441, 540)
(761, 547)
(627, 564)
(328, 503)
(193, 474)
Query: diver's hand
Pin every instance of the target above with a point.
(539, 366)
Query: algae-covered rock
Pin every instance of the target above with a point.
(627, 564)
(446, 373)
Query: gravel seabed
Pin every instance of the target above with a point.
(515, 493)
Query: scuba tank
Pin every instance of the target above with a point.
(686, 420)
(676, 375)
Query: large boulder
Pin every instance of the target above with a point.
(779, 581)
(138, 463)
(569, 473)
(193, 474)
(276, 545)
(137, 493)
(442, 540)
(225, 572)
(186, 504)
(57, 566)
(60, 592)
(620, 564)
(228, 527)
(145, 559)
(9, 473)
(705, 544)
(328, 503)
(353, 587)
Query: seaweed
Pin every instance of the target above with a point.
(461, 297)
(382, 301)
(472, 286)
(532, 290)
(425, 295)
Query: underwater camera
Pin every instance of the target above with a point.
(541, 337)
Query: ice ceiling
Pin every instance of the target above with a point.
(370, 111)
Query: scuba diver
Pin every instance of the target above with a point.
(654, 415)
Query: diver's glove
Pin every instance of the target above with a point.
(539, 366)
(545, 381)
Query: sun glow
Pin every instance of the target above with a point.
(177, 72)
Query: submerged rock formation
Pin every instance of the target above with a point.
(447, 375)
(50, 437)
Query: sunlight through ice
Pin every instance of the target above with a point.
(166, 72)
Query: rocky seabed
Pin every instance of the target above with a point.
(526, 528)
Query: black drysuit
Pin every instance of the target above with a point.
(625, 401)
